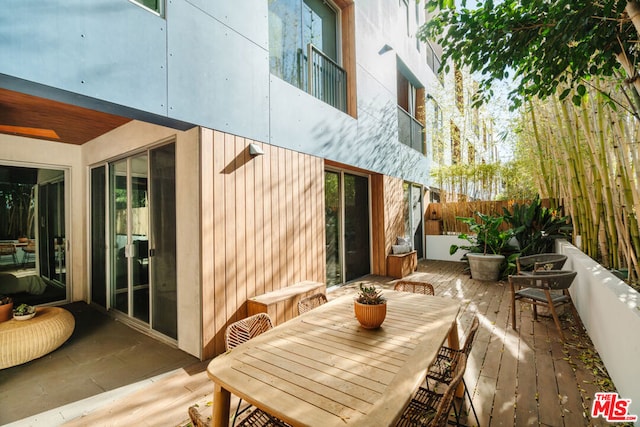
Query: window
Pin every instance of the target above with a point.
(437, 126)
(433, 61)
(404, 12)
(154, 5)
(304, 48)
(417, 15)
(410, 113)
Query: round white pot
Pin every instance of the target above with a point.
(485, 266)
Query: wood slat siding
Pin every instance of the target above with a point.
(378, 264)
(387, 218)
(263, 227)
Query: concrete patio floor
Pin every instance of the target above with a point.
(523, 377)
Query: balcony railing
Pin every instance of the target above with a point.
(410, 131)
(325, 79)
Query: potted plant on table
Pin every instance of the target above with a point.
(6, 308)
(370, 307)
(24, 312)
(489, 243)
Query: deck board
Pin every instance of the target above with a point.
(523, 377)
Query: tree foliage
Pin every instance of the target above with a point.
(543, 45)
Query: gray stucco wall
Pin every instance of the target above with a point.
(207, 63)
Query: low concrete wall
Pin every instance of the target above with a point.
(438, 247)
(610, 311)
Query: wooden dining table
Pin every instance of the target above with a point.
(323, 369)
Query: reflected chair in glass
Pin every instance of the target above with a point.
(9, 249)
(311, 302)
(28, 250)
(538, 289)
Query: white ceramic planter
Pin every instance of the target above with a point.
(485, 267)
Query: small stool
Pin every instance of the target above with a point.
(25, 340)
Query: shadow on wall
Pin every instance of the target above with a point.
(377, 134)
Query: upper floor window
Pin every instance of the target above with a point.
(404, 11)
(433, 61)
(154, 5)
(410, 113)
(437, 127)
(304, 48)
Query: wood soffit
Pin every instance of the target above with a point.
(40, 118)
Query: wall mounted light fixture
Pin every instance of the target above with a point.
(255, 150)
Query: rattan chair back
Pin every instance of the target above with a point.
(429, 408)
(243, 330)
(540, 262)
(311, 302)
(468, 342)
(415, 287)
(446, 402)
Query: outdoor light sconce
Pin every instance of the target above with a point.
(255, 150)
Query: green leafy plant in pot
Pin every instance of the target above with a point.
(489, 245)
(370, 307)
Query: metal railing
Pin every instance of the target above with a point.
(326, 80)
(410, 131)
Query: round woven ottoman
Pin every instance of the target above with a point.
(25, 340)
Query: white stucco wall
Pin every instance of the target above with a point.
(610, 311)
(437, 247)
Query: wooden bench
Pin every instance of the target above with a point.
(401, 265)
(282, 304)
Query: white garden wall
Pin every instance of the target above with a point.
(438, 247)
(610, 311)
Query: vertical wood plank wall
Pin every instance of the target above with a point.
(263, 227)
(387, 218)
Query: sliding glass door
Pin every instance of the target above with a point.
(130, 236)
(348, 248)
(134, 252)
(413, 216)
(162, 256)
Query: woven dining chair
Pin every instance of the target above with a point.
(240, 332)
(429, 408)
(442, 370)
(415, 287)
(243, 330)
(311, 302)
(259, 418)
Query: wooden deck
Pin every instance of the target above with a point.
(524, 377)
